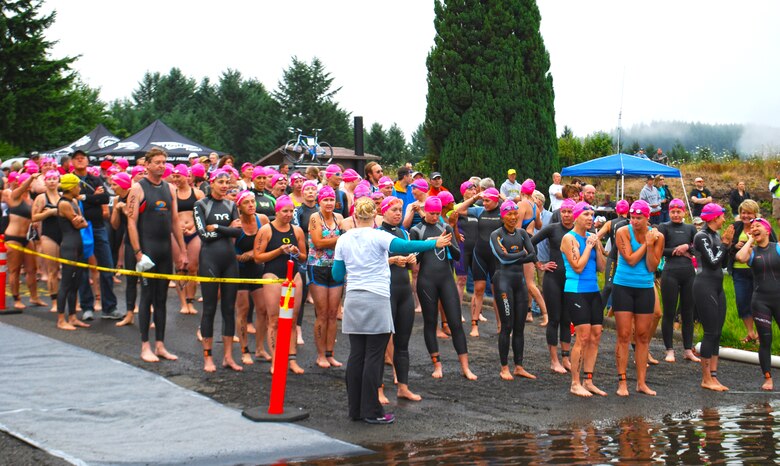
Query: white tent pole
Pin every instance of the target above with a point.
(685, 193)
(623, 186)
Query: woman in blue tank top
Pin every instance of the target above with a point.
(633, 297)
(583, 256)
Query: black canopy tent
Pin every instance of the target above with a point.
(97, 139)
(158, 134)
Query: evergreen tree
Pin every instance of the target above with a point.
(396, 150)
(418, 147)
(376, 140)
(306, 99)
(490, 93)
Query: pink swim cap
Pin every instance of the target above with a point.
(432, 204)
(245, 166)
(446, 197)
(621, 207)
(677, 204)
(351, 175)
(219, 173)
(579, 208)
(112, 170)
(332, 169)
(492, 194)
(30, 167)
(138, 169)
(387, 203)
(296, 176)
(182, 170)
(309, 184)
(284, 201)
(258, 171)
(13, 176)
(711, 211)
(763, 223)
(326, 192)
(569, 204)
(385, 182)
(528, 186)
(508, 206)
(275, 179)
(51, 174)
(640, 207)
(122, 163)
(122, 180)
(168, 170)
(420, 184)
(466, 185)
(361, 190)
(377, 195)
(243, 195)
(23, 177)
(198, 170)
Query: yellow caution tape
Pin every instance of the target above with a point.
(161, 276)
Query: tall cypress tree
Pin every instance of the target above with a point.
(490, 92)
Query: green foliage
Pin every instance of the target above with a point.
(418, 147)
(569, 149)
(376, 140)
(396, 149)
(42, 102)
(704, 154)
(597, 145)
(490, 93)
(679, 154)
(306, 99)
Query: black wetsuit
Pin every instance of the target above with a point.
(266, 204)
(677, 282)
(488, 221)
(436, 283)
(511, 293)
(301, 218)
(559, 321)
(50, 225)
(402, 305)
(467, 226)
(131, 291)
(71, 248)
(187, 205)
(217, 259)
(765, 263)
(611, 264)
(155, 223)
(249, 269)
(708, 289)
(278, 265)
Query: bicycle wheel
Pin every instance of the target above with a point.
(324, 153)
(292, 151)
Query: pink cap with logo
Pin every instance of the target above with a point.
(326, 192)
(579, 208)
(466, 185)
(508, 206)
(711, 211)
(122, 180)
(182, 170)
(640, 207)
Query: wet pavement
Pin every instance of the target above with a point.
(452, 409)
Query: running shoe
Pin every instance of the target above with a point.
(88, 315)
(386, 419)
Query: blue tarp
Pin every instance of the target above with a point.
(620, 165)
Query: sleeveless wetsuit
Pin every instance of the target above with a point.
(50, 226)
(71, 248)
(154, 227)
(708, 291)
(250, 268)
(217, 259)
(278, 265)
(511, 251)
(435, 283)
(552, 285)
(677, 282)
(765, 263)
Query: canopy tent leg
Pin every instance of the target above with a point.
(687, 199)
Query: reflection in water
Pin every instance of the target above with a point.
(727, 435)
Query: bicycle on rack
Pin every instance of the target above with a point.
(307, 149)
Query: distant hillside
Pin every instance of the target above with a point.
(745, 140)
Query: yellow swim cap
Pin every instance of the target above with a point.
(67, 182)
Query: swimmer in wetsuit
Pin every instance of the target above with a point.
(708, 291)
(186, 196)
(435, 284)
(70, 221)
(583, 257)
(44, 210)
(151, 217)
(763, 257)
(512, 249)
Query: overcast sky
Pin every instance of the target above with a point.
(692, 60)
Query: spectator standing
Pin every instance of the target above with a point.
(666, 196)
(701, 196)
(510, 189)
(401, 189)
(737, 197)
(650, 195)
(556, 192)
(436, 184)
(774, 189)
(373, 172)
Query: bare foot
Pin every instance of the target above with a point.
(523, 373)
(208, 364)
(669, 356)
(38, 302)
(645, 389)
(529, 317)
(566, 363)
(127, 320)
(408, 394)
(310, 300)
(250, 328)
(474, 331)
(263, 355)
(690, 356)
(246, 359)
(544, 321)
(446, 329)
(65, 325)
(230, 364)
(199, 335)
(588, 385)
(579, 390)
(622, 388)
(184, 310)
(19, 305)
(322, 362)
(148, 356)
(78, 323)
(557, 367)
(441, 335)
(193, 311)
(299, 333)
(295, 368)
(236, 339)
(437, 371)
(651, 359)
(333, 362)
(482, 318)
(723, 388)
(382, 398)
(54, 307)
(505, 374)
(469, 375)
(768, 386)
(713, 385)
(135, 310)
(163, 353)
(418, 309)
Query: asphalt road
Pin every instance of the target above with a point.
(452, 408)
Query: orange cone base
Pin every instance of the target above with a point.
(260, 414)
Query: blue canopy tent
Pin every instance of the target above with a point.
(621, 166)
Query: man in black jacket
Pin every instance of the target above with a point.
(93, 198)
